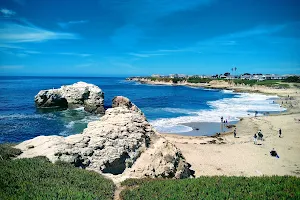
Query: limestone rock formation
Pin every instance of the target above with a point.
(79, 94)
(121, 143)
(120, 101)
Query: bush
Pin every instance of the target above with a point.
(292, 79)
(7, 152)
(275, 187)
(198, 80)
(37, 178)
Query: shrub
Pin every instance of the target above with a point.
(275, 187)
(7, 152)
(198, 80)
(292, 79)
(37, 178)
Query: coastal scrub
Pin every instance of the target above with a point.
(216, 187)
(37, 178)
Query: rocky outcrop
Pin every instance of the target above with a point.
(120, 101)
(79, 94)
(121, 143)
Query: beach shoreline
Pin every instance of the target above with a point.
(229, 156)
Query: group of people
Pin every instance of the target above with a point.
(259, 135)
(224, 121)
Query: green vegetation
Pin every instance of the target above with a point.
(198, 80)
(160, 79)
(267, 83)
(292, 79)
(275, 187)
(37, 178)
(7, 152)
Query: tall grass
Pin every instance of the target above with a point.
(37, 178)
(275, 187)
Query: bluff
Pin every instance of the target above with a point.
(79, 94)
(121, 144)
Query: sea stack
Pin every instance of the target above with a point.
(121, 144)
(77, 95)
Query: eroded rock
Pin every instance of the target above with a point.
(121, 143)
(79, 94)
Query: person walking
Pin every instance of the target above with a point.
(279, 132)
(255, 138)
(234, 133)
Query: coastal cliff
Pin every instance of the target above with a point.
(278, 89)
(121, 144)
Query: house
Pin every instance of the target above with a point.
(222, 76)
(155, 75)
(246, 76)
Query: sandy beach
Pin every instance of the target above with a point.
(226, 155)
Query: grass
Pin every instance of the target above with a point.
(275, 187)
(267, 83)
(7, 152)
(37, 178)
(198, 80)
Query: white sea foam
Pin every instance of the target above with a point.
(79, 109)
(241, 105)
(70, 125)
(179, 110)
(173, 129)
(228, 91)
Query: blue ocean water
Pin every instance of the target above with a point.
(166, 107)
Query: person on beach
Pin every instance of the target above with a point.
(255, 114)
(234, 133)
(279, 132)
(260, 135)
(274, 153)
(222, 119)
(255, 138)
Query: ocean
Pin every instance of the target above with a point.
(167, 108)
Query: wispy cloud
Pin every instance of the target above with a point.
(260, 30)
(11, 67)
(75, 54)
(145, 55)
(65, 25)
(16, 33)
(7, 13)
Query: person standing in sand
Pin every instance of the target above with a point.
(279, 132)
(260, 135)
(255, 138)
(234, 132)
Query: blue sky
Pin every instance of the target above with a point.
(143, 37)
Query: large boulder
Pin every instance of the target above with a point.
(121, 143)
(79, 94)
(120, 101)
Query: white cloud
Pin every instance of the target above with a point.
(76, 54)
(16, 33)
(71, 23)
(145, 55)
(7, 13)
